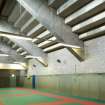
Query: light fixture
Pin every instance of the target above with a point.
(13, 75)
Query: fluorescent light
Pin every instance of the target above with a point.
(4, 55)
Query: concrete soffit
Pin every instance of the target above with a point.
(56, 25)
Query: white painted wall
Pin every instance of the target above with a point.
(94, 62)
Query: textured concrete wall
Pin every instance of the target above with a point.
(85, 79)
(94, 62)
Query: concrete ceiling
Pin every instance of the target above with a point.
(84, 18)
(6, 7)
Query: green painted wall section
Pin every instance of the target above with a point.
(84, 85)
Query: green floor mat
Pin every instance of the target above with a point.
(13, 92)
(26, 100)
(69, 95)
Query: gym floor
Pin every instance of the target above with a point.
(24, 96)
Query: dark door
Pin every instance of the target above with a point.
(4, 78)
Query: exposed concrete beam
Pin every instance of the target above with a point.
(52, 39)
(56, 3)
(93, 33)
(19, 49)
(7, 27)
(36, 30)
(24, 53)
(9, 42)
(87, 11)
(90, 23)
(13, 56)
(53, 48)
(44, 39)
(24, 42)
(8, 7)
(15, 13)
(71, 6)
(24, 17)
(14, 46)
(30, 24)
(42, 35)
(31, 48)
(39, 9)
(49, 44)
